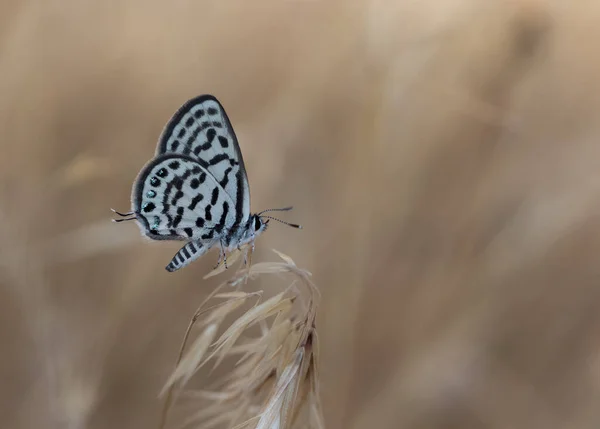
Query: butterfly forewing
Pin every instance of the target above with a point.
(176, 198)
(201, 130)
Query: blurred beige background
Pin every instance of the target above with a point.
(442, 156)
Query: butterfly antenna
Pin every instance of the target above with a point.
(293, 225)
(123, 220)
(285, 209)
(122, 214)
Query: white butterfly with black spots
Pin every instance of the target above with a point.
(196, 188)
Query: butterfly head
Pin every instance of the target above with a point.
(257, 224)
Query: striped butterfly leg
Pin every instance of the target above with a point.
(187, 254)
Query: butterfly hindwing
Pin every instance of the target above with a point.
(176, 198)
(201, 130)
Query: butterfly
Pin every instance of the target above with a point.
(196, 188)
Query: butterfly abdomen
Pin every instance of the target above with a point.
(185, 255)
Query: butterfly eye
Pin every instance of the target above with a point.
(257, 223)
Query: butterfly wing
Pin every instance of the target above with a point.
(201, 130)
(176, 198)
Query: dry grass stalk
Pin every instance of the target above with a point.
(274, 382)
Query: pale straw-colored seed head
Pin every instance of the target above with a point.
(274, 381)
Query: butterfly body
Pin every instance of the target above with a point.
(196, 188)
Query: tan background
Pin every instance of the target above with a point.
(443, 157)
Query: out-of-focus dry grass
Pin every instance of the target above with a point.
(441, 155)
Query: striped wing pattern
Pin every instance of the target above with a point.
(195, 188)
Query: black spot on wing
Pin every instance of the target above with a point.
(221, 223)
(177, 182)
(185, 176)
(191, 139)
(174, 165)
(202, 147)
(211, 134)
(207, 213)
(195, 201)
(178, 195)
(218, 158)
(200, 222)
(165, 205)
(224, 142)
(189, 232)
(215, 196)
(239, 204)
(212, 111)
(177, 221)
(148, 207)
(199, 113)
(225, 179)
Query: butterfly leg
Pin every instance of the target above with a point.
(222, 256)
(248, 254)
(220, 259)
(245, 255)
